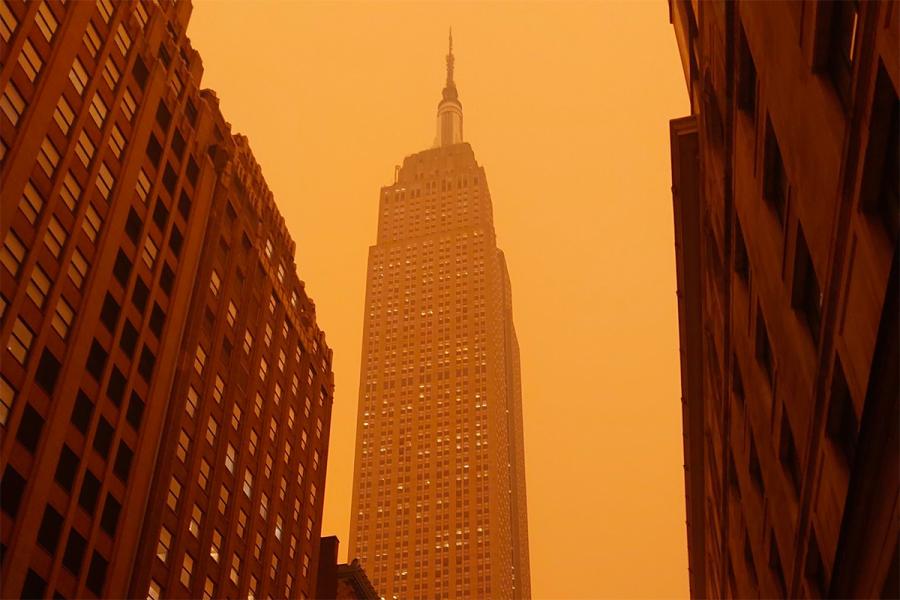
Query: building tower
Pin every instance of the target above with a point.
(785, 185)
(439, 485)
(165, 392)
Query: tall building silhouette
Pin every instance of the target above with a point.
(165, 392)
(439, 485)
(785, 185)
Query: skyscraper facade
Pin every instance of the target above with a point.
(785, 185)
(165, 393)
(439, 484)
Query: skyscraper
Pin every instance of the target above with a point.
(165, 392)
(785, 185)
(439, 485)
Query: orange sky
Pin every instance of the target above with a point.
(567, 107)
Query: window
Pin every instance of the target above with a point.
(62, 318)
(84, 150)
(775, 565)
(106, 9)
(8, 22)
(199, 360)
(122, 466)
(45, 20)
(149, 252)
(92, 40)
(63, 115)
(116, 142)
(90, 490)
(214, 283)
(74, 553)
(230, 458)
(78, 268)
(174, 493)
(231, 316)
(7, 396)
(191, 402)
(38, 286)
(219, 390)
(194, 525)
(55, 236)
(880, 195)
(842, 51)
(248, 483)
(215, 545)
(155, 591)
(143, 186)
(12, 253)
(50, 529)
(790, 462)
(806, 296)
(129, 106)
(223, 499)
(20, 341)
(30, 60)
(235, 569)
(31, 203)
(203, 476)
(755, 469)
(165, 542)
(110, 73)
(12, 103)
(98, 110)
(48, 157)
(109, 520)
(184, 443)
(211, 429)
(91, 223)
(775, 183)
(764, 348)
(78, 76)
(123, 40)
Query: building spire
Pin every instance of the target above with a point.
(449, 118)
(450, 61)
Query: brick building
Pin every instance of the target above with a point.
(785, 186)
(341, 581)
(165, 393)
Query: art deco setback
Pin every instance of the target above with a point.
(165, 395)
(785, 189)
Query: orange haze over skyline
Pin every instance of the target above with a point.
(567, 108)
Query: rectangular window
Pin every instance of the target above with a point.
(116, 141)
(165, 542)
(123, 41)
(30, 60)
(105, 7)
(48, 157)
(787, 453)
(63, 115)
(70, 191)
(78, 268)
(843, 47)
(129, 106)
(55, 236)
(775, 180)
(20, 341)
(32, 203)
(110, 73)
(98, 110)
(84, 149)
(78, 76)
(92, 40)
(8, 22)
(806, 296)
(38, 286)
(62, 318)
(12, 103)
(150, 252)
(45, 21)
(105, 180)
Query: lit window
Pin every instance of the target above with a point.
(48, 157)
(38, 286)
(70, 191)
(214, 282)
(20, 341)
(92, 40)
(230, 458)
(92, 223)
(215, 545)
(174, 493)
(165, 542)
(8, 22)
(186, 569)
(63, 115)
(116, 141)
(149, 253)
(248, 483)
(232, 313)
(155, 592)
(199, 360)
(78, 268)
(78, 76)
(184, 443)
(11, 102)
(218, 389)
(110, 73)
(223, 499)
(98, 110)
(211, 429)
(236, 416)
(194, 525)
(208, 587)
(55, 236)
(30, 61)
(141, 14)
(203, 477)
(248, 341)
(62, 318)
(45, 20)
(84, 149)
(235, 568)
(31, 203)
(123, 41)
(143, 186)
(129, 106)
(106, 9)
(192, 399)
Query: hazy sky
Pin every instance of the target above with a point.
(567, 108)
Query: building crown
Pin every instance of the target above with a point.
(449, 117)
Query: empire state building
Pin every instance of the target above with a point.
(439, 485)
